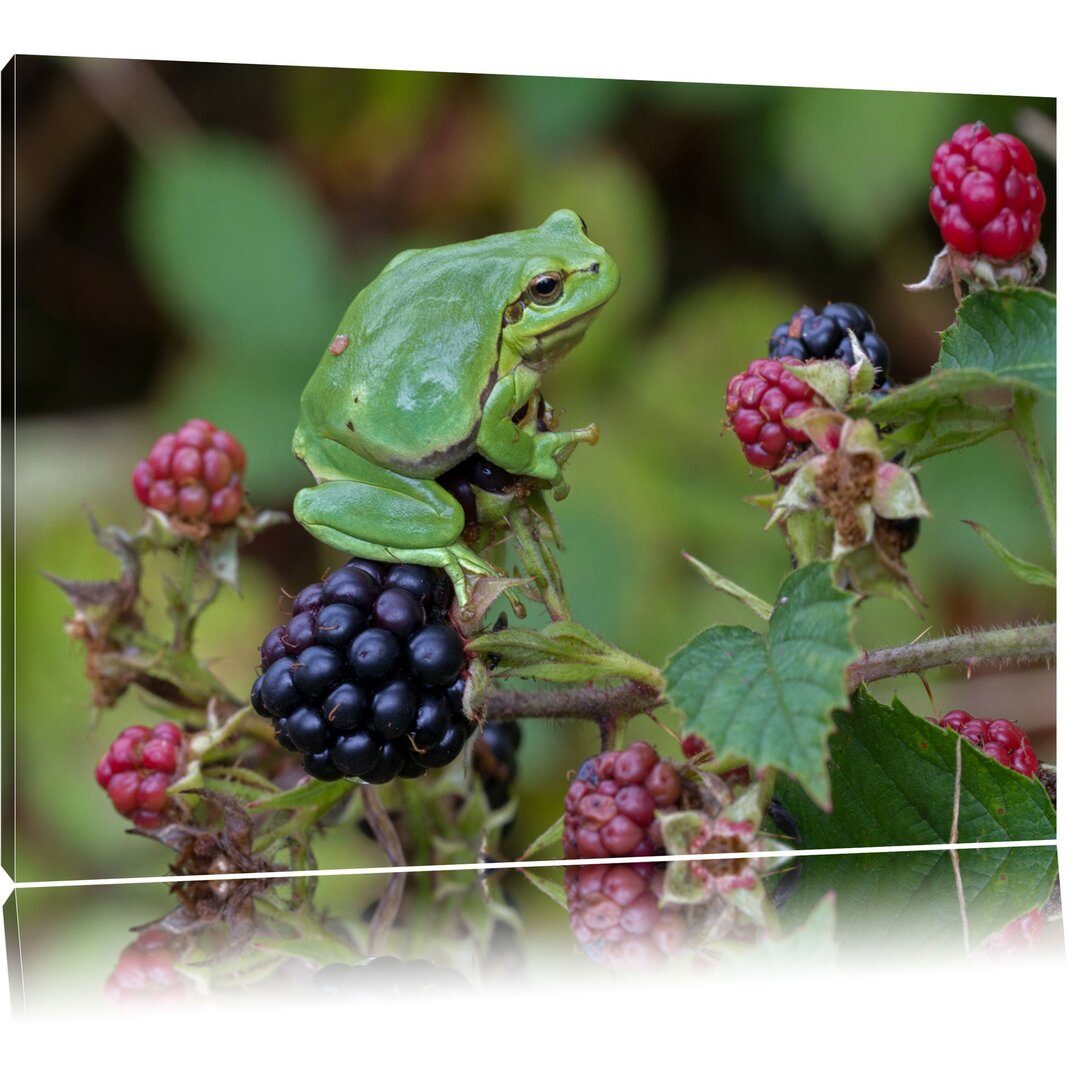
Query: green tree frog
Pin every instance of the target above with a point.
(431, 363)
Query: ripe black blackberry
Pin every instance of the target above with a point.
(808, 335)
(366, 678)
(495, 759)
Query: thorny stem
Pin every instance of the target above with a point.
(185, 620)
(604, 705)
(1038, 467)
(1013, 644)
(580, 703)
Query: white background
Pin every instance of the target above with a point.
(882, 1024)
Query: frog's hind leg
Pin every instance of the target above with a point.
(393, 519)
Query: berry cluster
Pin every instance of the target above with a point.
(808, 335)
(986, 197)
(760, 401)
(384, 976)
(195, 475)
(367, 678)
(615, 914)
(611, 805)
(1000, 739)
(138, 768)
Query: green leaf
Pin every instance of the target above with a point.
(892, 776)
(1001, 339)
(562, 651)
(942, 389)
(1021, 568)
(236, 245)
(308, 793)
(770, 699)
(1010, 333)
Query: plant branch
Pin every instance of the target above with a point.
(580, 703)
(1013, 644)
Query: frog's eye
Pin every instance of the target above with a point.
(545, 288)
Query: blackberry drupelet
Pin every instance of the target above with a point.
(808, 335)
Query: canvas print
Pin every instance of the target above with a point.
(611, 489)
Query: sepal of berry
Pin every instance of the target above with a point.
(717, 827)
(851, 482)
(949, 267)
(831, 380)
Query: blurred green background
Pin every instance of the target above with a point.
(190, 234)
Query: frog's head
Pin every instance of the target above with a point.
(561, 280)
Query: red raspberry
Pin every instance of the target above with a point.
(195, 474)
(612, 803)
(986, 197)
(1000, 739)
(759, 401)
(615, 914)
(138, 768)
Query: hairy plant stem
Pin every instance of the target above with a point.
(607, 705)
(1024, 427)
(1013, 644)
(601, 704)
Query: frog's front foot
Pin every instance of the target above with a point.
(590, 434)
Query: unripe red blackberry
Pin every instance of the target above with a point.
(611, 805)
(194, 475)
(615, 914)
(760, 402)
(808, 335)
(139, 767)
(366, 678)
(986, 198)
(1000, 739)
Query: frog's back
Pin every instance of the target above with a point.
(421, 357)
